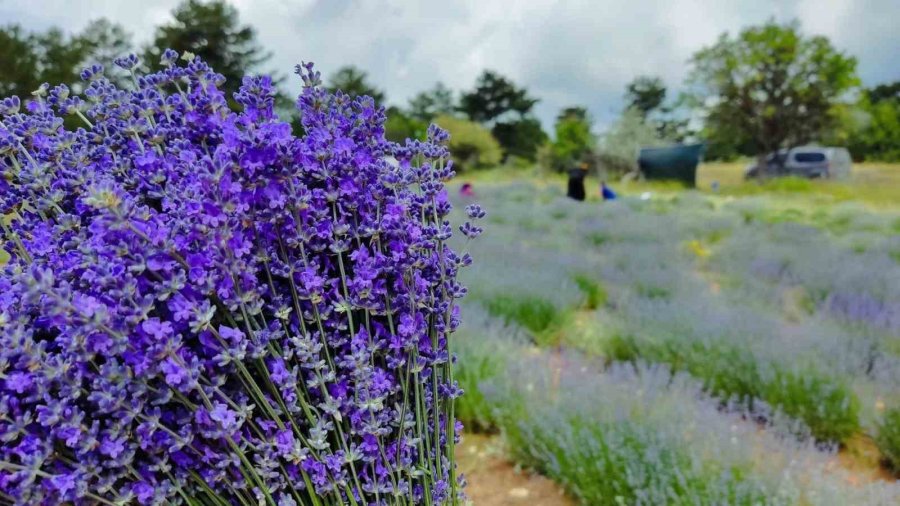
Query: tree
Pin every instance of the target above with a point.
(874, 131)
(437, 101)
(399, 126)
(771, 86)
(645, 94)
(212, 31)
(520, 138)
(28, 59)
(573, 140)
(20, 66)
(102, 42)
(618, 148)
(493, 97)
(574, 113)
(497, 101)
(890, 91)
(354, 82)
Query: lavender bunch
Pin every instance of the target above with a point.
(201, 308)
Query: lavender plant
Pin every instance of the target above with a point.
(714, 315)
(650, 436)
(201, 308)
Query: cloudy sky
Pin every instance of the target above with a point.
(572, 52)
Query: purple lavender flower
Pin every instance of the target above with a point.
(201, 307)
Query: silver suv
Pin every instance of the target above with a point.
(807, 161)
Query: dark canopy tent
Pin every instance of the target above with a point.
(671, 162)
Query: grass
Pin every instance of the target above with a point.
(888, 439)
(875, 184)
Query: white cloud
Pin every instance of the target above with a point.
(573, 52)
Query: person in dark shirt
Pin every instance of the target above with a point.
(576, 182)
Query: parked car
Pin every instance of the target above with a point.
(806, 161)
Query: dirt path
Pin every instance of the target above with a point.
(861, 460)
(494, 481)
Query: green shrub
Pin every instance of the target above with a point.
(540, 317)
(480, 358)
(598, 239)
(594, 293)
(652, 291)
(400, 127)
(620, 348)
(824, 403)
(532, 313)
(888, 439)
(471, 145)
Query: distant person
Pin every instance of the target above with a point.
(576, 182)
(606, 192)
(715, 186)
(466, 190)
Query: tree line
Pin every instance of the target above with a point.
(765, 88)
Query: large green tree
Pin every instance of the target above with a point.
(103, 41)
(888, 91)
(439, 100)
(28, 59)
(213, 31)
(771, 86)
(619, 145)
(499, 103)
(493, 97)
(355, 82)
(520, 137)
(645, 94)
(875, 130)
(20, 66)
(573, 141)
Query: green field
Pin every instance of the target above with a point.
(874, 184)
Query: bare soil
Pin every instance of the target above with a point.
(495, 481)
(861, 460)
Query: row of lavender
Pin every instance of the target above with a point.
(199, 307)
(679, 283)
(697, 289)
(640, 434)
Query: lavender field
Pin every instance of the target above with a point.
(395, 253)
(687, 348)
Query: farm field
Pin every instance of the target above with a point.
(289, 253)
(689, 347)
